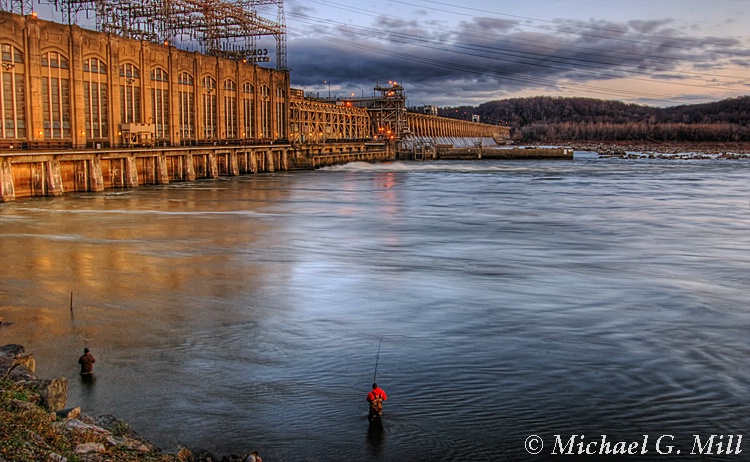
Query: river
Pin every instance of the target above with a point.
(562, 299)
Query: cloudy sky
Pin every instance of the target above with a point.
(455, 52)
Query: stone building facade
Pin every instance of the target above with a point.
(69, 87)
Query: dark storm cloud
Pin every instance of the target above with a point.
(488, 57)
(648, 27)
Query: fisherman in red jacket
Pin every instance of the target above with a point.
(376, 398)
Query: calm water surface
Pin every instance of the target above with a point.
(587, 297)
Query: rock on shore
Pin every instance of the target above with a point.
(36, 426)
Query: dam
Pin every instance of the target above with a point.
(87, 110)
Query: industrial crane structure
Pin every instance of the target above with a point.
(225, 28)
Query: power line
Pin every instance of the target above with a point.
(638, 57)
(421, 41)
(557, 22)
(494, 73)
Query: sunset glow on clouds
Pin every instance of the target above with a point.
(662, 53)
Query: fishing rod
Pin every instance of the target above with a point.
(377, 358)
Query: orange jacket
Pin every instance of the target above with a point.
(377, 393)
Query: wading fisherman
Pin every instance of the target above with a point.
(376, 398)
(87, 363)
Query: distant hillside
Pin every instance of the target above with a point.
(544, 118)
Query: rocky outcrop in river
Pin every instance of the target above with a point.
(672, 151)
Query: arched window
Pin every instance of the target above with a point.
(160, 102)
(187, 105)
(209, 107)
(55, 95)
(95, 98)
(12, 98)
(248, 106)
(280, 114)
(130, 94)
(55, 59)
(265, 112)
(230, 108)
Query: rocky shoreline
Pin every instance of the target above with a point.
(35, 425)
(684, 150)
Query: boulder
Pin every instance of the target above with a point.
(120, 428)
(12, 350)
(27, 361)
(185, 455)
(17, 372)
(75, 426)
(53, 392)
(128, 443)
(23, 405)
(87, 448)
(15, 364)
(69, 413)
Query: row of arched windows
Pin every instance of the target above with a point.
(12, 97)
(56, 81)
(95, 98)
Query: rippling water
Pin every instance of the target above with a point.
(587, 297)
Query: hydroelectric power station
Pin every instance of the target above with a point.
(125, 103)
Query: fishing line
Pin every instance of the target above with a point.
(377, 358)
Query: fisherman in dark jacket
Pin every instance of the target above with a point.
(87, 363)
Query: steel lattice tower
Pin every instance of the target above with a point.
(22, 7)
(224, 28)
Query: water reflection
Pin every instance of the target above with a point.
(609, 298)
(88, 381)
(375, 436)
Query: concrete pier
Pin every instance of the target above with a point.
(55, 173)
(528, 153)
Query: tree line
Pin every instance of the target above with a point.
(546, 119)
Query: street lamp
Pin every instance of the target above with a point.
(329, 88)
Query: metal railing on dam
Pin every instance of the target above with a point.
(431, 126)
